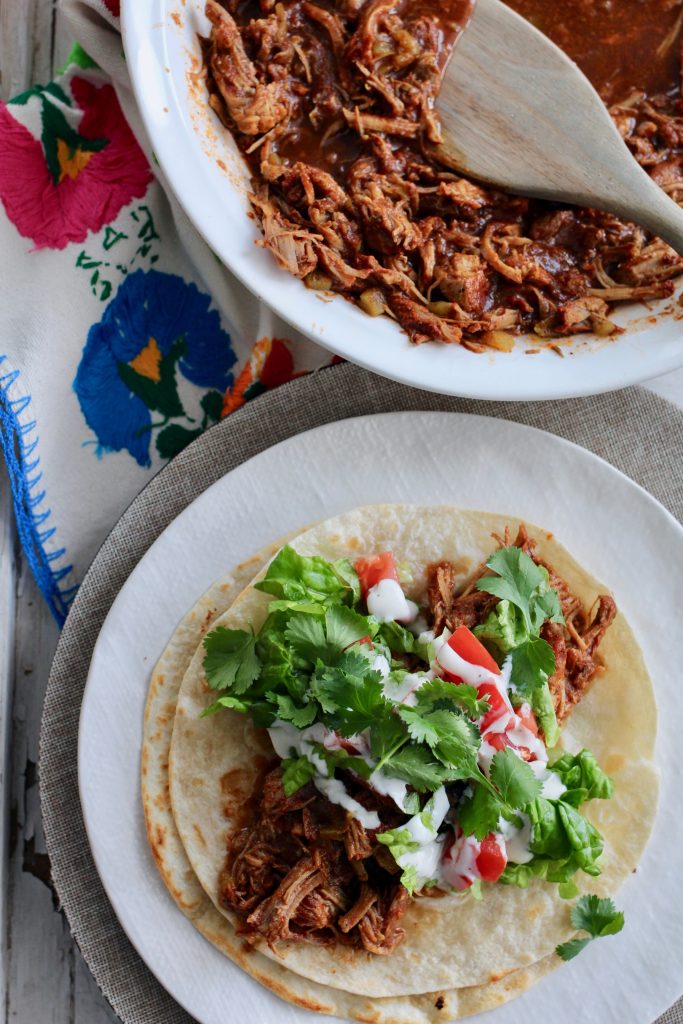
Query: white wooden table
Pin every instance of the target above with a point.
(43, 979)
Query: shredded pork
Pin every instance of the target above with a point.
(332, 102)
(575, 644)
(304, 870)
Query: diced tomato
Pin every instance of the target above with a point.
(372, 570)
(492, 859)
(497, 705)
(465, 643)
(500, 740)
(528, 719)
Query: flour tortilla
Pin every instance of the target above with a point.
(451, 943)
(178, 876)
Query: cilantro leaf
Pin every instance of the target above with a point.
(444, 695)
(296, 772)
(419, 727)
(533, 659)
(568, 950)
(349, 693)
(478, 815)
(231, 662)
(387, 735)
(288, 711)
(595, 916)
(525, 585)
(532, 665)
(458, 744)
(526, 601)
(345, 627)
(306, 636)
(416, 766)
(514, 779)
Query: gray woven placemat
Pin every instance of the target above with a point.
(635, 430)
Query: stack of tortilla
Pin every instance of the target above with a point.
(460, 956)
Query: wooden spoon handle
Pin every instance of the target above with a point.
(636, 197)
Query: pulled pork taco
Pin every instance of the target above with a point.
(176, 871)
(407, 749)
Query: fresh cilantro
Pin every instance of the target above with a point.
(479, 814)
(350, 693)
(532, 665)
(525, 585)
(387, 735)
(458, 744)
(288, 711)
(230, 662)
(316, 639)
(345, 627)
(416, 766)
(440, 694)
(514, 779)
(526, 601)
(516, 785)
(305, 634)
(419, 727)
(595, 916)
(296, 772)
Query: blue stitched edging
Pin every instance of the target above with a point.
(19, 442)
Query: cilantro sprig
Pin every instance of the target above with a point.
(526, 602)
(595, 916)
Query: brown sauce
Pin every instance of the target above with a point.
(622, 46)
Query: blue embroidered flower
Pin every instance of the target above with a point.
(155, 326)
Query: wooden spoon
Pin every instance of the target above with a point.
(519, 114)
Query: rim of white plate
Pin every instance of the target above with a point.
(498, 455)
(208, 177)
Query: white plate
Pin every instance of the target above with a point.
(209, 178)
(612, 526)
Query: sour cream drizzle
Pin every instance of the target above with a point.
(387, 602)
(285, 737)
(423, 830)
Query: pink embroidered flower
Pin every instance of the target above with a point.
(70, 182)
